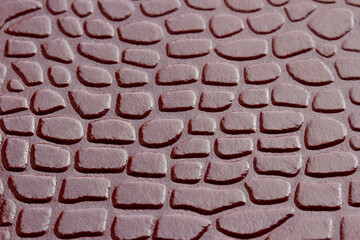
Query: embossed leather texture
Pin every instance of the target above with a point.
(180, 119)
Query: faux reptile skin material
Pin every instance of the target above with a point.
(180, 119)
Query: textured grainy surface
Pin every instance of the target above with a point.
(180, 119)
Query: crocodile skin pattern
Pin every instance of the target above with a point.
(180, 119)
